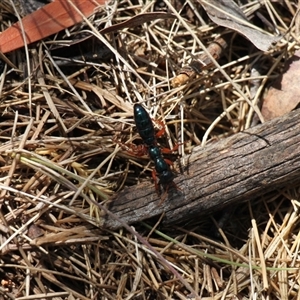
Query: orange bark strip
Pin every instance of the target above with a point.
(47, 20)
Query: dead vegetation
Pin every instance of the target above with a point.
(62, 129)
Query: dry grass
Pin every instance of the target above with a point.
(59, 154)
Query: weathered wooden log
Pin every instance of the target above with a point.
(239, 168)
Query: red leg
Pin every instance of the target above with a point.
(137, 150)
(169, 162)
(161, 131)
(132, 149)
(164, 195)
(155, 182)
(170, 151)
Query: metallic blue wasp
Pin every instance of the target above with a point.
(146, 130)
(144, 125)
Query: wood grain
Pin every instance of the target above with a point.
(239, 168)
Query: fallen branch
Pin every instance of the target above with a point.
(239, 168)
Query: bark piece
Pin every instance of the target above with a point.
(49, 19)
(239, 168)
